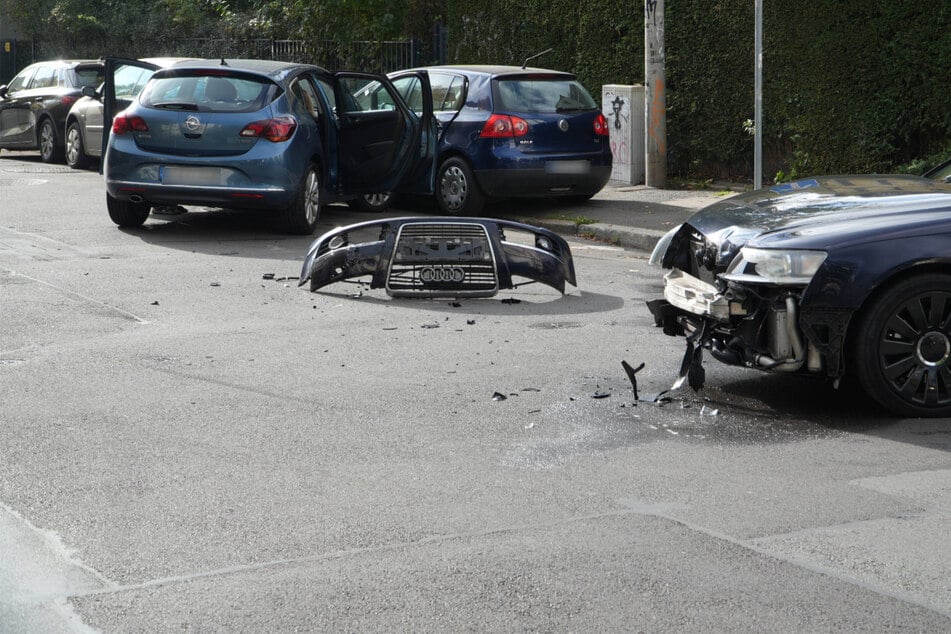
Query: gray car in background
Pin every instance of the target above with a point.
(34, 105)
(83, 131)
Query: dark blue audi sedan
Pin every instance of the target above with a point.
(846, 277)
(508, 132)
(282, 137)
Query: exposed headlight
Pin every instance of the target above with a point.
(774, 266)
(657, 255)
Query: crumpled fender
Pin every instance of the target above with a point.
(448, 256)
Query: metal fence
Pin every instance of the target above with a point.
(379, 57)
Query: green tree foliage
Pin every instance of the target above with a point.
(850, 85)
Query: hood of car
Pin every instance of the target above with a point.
(821, 212)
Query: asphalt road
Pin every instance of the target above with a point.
(186, 445)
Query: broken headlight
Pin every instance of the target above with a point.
(774, 266)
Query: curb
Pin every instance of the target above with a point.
(619, 235)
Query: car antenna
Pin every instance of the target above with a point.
(535, 56)
(223, 62)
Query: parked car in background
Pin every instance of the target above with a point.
(834, 276)
(83, 131)
(33, 106)
(508, 132)
(258, 134)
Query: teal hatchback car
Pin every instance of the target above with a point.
(281, 137)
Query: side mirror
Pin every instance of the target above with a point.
(3, 91)
(89, 91)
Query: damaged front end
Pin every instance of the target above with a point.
(439, 256)
(741, 304)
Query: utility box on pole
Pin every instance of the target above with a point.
(623, 107)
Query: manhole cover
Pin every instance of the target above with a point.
(556, 325)
(20, 182)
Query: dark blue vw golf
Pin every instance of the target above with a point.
(509, 132)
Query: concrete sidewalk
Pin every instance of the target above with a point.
(632, 216)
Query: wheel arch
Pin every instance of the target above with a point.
(58, 136)
(884, 287)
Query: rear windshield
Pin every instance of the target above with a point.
(203, 92)
(544, 95)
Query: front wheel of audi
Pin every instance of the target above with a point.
(902, 347)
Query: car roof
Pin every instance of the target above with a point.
(270, 68)
(165, 62)
(69, 63)
(499, 70)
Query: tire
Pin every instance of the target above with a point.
(372, 203)
(126, 213)
(50, 152)
(456, 190)
(902, 349)
(302, 216)
(75, 149)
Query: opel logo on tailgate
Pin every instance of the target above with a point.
(563, 125)
(441, 274)
(192, 123)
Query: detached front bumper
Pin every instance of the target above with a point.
(439, 256)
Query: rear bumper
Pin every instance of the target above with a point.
(534, 183)
(262, 179)
(262, 197)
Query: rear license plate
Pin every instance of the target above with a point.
(568, 167)
(191, 175)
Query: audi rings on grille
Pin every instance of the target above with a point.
(441, 274)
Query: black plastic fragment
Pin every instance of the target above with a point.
(498, 396)
(511, 300)
(631, 374)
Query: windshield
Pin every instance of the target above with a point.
(543, 96)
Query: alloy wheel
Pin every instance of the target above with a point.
(915, 348)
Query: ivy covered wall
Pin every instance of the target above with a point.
(849, 85)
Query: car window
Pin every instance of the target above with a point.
(129, 81)
(89, 76)
(45, 77)
(195, 90)
(22, 80)
(447, 91)
(305, 98)
(411, 91)
(543, 96)
(359, 95)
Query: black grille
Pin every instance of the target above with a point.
(442, 259)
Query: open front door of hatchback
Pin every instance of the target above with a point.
(111, 105)
(384, 146)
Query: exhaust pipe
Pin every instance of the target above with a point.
(136, 198)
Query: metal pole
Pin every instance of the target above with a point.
(758, 123)
(655, 96)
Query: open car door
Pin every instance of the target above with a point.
(115, 95)
(384, 146)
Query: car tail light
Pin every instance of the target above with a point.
(503, 126)
(274, 130)
(69, 100)
(123, 123)
(601, 125)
